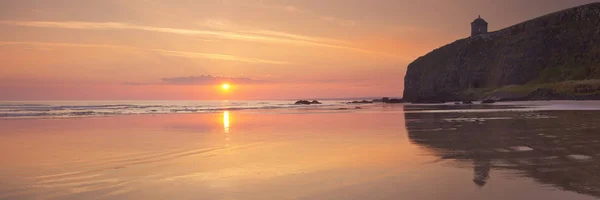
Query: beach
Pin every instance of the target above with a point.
(535, 150)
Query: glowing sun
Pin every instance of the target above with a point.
(225, 86)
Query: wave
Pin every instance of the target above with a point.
(53, 110)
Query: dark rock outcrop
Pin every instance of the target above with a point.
(360, 102)
(488, 101)
(386, 100)
(394, 101)
(306, 102)
(553, 48)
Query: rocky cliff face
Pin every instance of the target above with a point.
(556, 47)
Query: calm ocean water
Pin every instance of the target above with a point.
(61, 109)
(276, 150)
(49, 109)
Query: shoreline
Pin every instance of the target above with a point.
(477, 106)
(187, 153)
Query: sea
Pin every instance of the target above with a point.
(63, 109)
(58, 109)
(273, 149)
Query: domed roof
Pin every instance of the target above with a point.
(479, 21)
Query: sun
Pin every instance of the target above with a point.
(225, 86)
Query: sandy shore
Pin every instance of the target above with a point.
(378, 152)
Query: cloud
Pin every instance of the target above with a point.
(251, 36)
(203, 80)
(224, 24)
(185, 54)
(217, 24)
(218, 57)
(329, 19)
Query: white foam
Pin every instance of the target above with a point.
(521, 148)
(92, 108)
(501, 150)
(579, 157)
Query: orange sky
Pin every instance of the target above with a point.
(268, 49)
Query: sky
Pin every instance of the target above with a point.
(266, 49)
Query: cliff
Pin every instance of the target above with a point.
(558, 47)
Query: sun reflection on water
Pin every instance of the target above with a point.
(226, 121)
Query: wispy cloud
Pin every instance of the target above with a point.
(326, 18)
(186, 54)
(227, 25)
(318, 40)
(201, 80)
(220, 24)
(251, 35)
(218, 57)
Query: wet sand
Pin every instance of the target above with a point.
(378, 152)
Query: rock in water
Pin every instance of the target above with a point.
(553, 48)
(488, 101)
(360, 102)
(306, 102)
(395, 101)
(302, 102)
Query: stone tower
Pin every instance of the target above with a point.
(479, 26)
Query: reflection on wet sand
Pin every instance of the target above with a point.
(226, 121)
(303, 154)
(558, 148)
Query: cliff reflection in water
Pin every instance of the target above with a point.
(559, 148)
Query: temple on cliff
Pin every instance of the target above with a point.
(479, 26)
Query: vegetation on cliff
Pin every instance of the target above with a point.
(556, 56)
(565, 90)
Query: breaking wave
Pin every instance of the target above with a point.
(83, 109)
